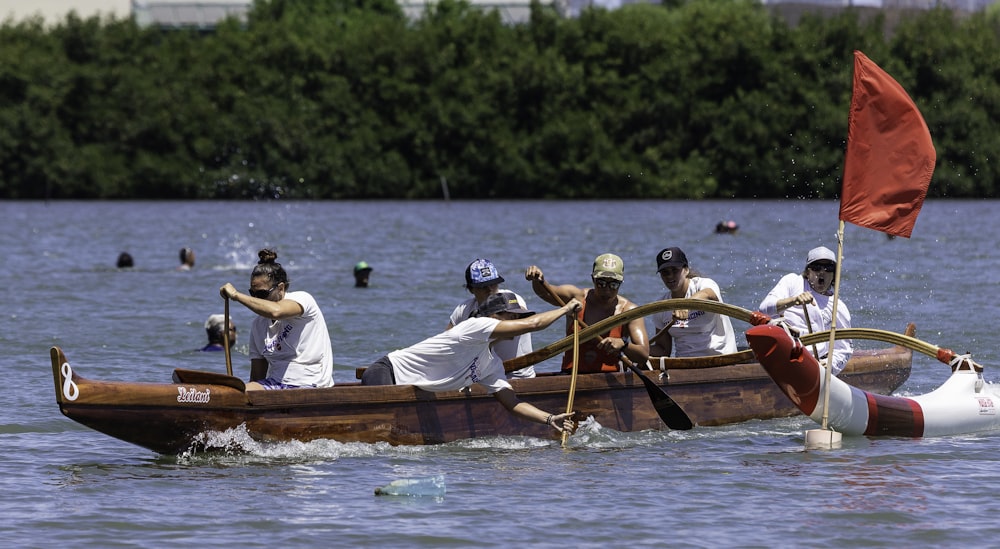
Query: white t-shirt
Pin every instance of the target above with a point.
(820, 314)
(505, 349)
(703, 333)
(453, 359)
(297, 350)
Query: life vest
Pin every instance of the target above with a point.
(592, 359)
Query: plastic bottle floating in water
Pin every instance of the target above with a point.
(427, 486)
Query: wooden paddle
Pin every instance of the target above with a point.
(225, 340)
(199, 377)
(576, 370)
(668, 410)
(809, 325)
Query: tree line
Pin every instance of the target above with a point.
(348, 99)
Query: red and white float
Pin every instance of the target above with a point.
(965, 403)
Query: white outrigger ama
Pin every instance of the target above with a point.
(965, 403)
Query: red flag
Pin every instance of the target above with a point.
(890, 157)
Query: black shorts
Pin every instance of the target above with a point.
(379, 373)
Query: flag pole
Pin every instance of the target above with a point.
(888, 165)
(826, 437)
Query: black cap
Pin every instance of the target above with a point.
(502, 302)
(670, 257)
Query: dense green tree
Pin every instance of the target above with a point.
(953, 73)
(350, 99)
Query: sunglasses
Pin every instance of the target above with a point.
(262, 294)
(613, 284)
(828, 267)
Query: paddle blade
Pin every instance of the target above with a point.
(198, 377)
(668, 410)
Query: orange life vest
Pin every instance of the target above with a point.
(592, 359)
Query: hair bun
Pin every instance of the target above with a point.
(267, 256)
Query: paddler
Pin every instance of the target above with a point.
(462, 356)
(603, 353)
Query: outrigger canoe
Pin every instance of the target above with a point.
(965, 403)
(171, 418)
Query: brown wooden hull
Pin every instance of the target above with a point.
(169, 417)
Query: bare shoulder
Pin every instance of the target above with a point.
(289, 307)
(625, 304)
(637, 325)
(576, 292)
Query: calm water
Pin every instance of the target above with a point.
(747, 485)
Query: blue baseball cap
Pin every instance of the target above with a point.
(482, 273)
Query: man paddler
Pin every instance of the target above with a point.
(603, 353)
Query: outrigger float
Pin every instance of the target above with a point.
(965, 403)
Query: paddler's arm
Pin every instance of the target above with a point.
(459, 312)
(274, 310)
(789, 292)
(258, 369)
(776, 307)
(661, 344)
(637, 348)
(563, 293)
(513, 328)
(707, 294)
(559, 422)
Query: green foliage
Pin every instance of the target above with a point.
(349, 99)
(953, 75)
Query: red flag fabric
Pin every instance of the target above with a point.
(890, 157)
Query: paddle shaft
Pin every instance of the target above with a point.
(576, 370)
(225, 340)
(809, 325)
(668, 410)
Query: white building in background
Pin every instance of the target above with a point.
(200, 14)
(204, 14)
(962, 5)
(511, 11)
(54, 11)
